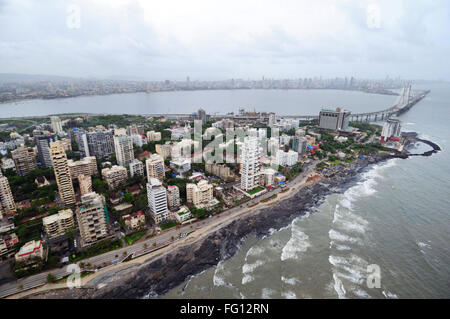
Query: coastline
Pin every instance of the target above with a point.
(156, 275)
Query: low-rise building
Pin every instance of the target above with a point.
(153, 136)
(180, 165)
(7, 242)
(32, 249)
(221, 170)
(58, 224)
(114, 176)
(199, 193)
(183, 214)
(134, 220)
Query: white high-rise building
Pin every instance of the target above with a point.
(56, 124)
(157, 200)
(250, 166)
(287, 158)
(123, 145)
(272, 119)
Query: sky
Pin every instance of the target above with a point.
(214, 40)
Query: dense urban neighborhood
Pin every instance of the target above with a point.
(76, 186)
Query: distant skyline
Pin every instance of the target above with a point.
(218, 40)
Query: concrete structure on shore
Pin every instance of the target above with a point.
(391, 130)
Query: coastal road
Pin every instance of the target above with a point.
(152, 244)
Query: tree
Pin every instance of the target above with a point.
(128, 197)
(51, 278)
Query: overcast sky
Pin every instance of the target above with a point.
(208, 39)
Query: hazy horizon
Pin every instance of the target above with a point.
(216, 40)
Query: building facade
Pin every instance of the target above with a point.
(85, 182)
(24, 160)
(42, 140)
(173, 197)
(155, 167)
(62, 173)
(136, 168)
(85, 166)
(56, 124)
(58, 224)
(7, 203)
(114, 176)
(250, 166)
(91, 219)
(334, 120)
(157, 200)
(123, 145)
(200, 193)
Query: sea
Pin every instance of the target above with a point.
(386, 235)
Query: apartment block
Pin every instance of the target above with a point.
(136, 168)
(62, 173)
(155, 167)
(85, 166)
(91, 219)
(199, 193)
(157, 200)
(24, 160)
(58, 224)
(173, 197)
(114, 176)
(7, 203)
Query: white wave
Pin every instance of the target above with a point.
(247, 278)
(341, 247)
(361, 293)
(389, 294)
(335, 235)
(267, 293)
(289, 294)
(297, 244)
(423, 245)
(339, 287)
(249, 268)
(410, 123)
(289, 281)
(218, 278)
(254, 251)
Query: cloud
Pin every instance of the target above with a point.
(209, 39)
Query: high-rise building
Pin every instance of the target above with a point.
(79, 137)
(391, 130)
(173, 197)
(56, 124)
(272, 119)
(250, 165)
(62, 173)
(334, 120)
(157, 200)
(201, 115)
(91, 218)
(136, 168)
(199, 193)
(42, 139)
(58, 224)
(289, 158)
(123, 145)
(24, 160)
(85, 166)
(114, 176)
(7, 203)
(85, 182)
(299, 144)
(155, 167)
(101, 143)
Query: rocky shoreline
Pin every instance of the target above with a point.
(157, 277)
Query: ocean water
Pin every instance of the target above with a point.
(395, 218)
(302, 102)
